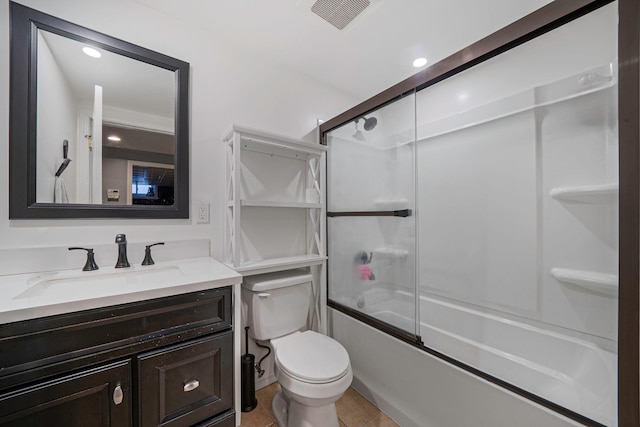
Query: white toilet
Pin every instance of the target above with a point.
(313, 370)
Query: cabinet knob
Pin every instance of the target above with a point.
(191, 385)
(118, 395)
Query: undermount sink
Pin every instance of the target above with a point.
(35, 295)
(87, 284)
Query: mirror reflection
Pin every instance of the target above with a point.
(105, 127)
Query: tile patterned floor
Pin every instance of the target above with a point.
(353, 411)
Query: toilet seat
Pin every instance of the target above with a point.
(312, 358)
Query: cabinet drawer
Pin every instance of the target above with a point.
(186, 383)
(98, 397)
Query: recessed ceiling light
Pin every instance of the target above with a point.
(114, 138)
(91, 52)
(420, 62)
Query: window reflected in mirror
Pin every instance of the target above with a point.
(151, 184)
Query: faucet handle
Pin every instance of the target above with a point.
(147, 254)
(90, 265)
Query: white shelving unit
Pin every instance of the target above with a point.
(278, 264)
(272, 204)
(275, 209)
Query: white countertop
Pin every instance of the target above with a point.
(33, 295)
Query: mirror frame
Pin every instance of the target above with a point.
(25, 23)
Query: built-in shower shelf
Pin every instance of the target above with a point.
(603, 283)
(279, 204)
(391, 253)
(276, 264)
(600, 193)
(391, 204)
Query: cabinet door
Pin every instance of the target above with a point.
(186, 383)
(97, 397)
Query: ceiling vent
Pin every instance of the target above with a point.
(339, 12)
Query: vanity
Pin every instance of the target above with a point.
(137, 346)
(148, 346)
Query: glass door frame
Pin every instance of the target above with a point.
(543, 20)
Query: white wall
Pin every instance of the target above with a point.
(56, 122)
(227, 86)
(114, 176)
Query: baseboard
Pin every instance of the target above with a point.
(265, 381)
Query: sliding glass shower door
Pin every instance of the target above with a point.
(518, 216)
(479, 216)
(371, 223)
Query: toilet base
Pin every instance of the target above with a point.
(280, 407)
(290, 413)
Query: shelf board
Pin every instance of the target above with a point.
(600, 193)
(603, 283)
(276, 264)
(278, 204)
(255, 137)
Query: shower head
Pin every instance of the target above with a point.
(369, 123)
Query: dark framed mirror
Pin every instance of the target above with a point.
(99, 127)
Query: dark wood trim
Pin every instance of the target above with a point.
(22, 121)
(629, 240)
(543, 20)
(403, 213)
(401, 334)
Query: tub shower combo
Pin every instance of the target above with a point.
(478, 217)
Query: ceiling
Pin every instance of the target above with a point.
(370, 54)
(127, 83)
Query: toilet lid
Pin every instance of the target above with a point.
(313, 358)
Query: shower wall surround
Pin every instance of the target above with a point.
(510, 170)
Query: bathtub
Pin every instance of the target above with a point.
(567, 370)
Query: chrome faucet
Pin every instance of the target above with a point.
(121, 240)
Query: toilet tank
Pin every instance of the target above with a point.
(276, 303)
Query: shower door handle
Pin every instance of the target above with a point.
(402, 213)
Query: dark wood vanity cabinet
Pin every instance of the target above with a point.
(161, 362)
(186, 383)
(98, 397)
